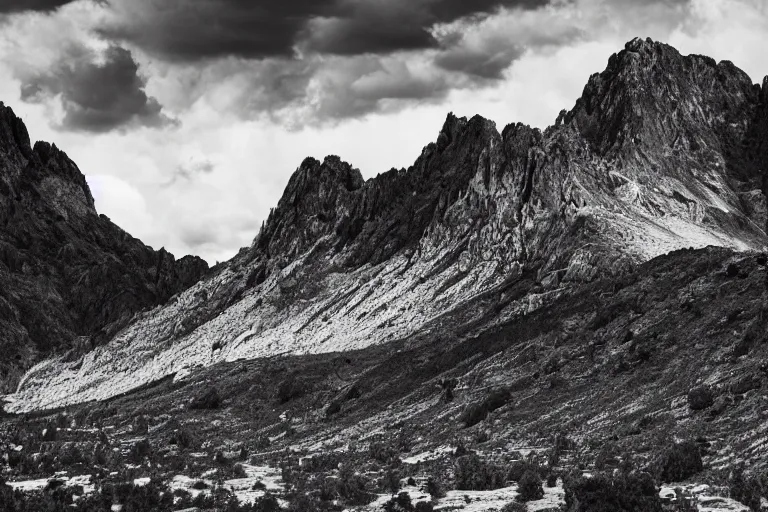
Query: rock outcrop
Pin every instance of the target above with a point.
(661, 152)
(69, 278)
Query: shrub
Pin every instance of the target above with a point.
(680, 461)
(349, 486)
(475, 474)
(518, 468)
(141, 425)
(514, 506)
(745, 490)
(266, 503)
(183, 439)
(402, 503)
(529, 488)
(391, 481)
(700, 398)
(383, 452)
(623, 493)
(434, 488)
(139, 451)
(238, 471)
(290, 389)
(210, 399)
(552, 480)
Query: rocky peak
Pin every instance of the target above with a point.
(55, 163)
(66, 272)
(14, 138)
(651, 95)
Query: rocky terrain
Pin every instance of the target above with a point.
(661, 152)
(584, 304)
(69, 278)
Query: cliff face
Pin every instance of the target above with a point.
(69, 278)
(661, 152)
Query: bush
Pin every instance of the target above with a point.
(434, 488)
(745, 490)
(290, 389)
(518, 468)
(475, 474)
(514, 506)
(383, 452)
(139, 451)
(680, 461)
(700, 398)
(183, 439)
(529, 488)
(624, 493)
(349, 486)
(402, 503)
(210, 399)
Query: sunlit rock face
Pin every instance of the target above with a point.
(661, 152)
(69, 278)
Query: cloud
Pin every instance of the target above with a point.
(195, 30)
(98, 92)
(485, 48)
(188, 172)
(16, 6)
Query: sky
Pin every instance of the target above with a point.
(188, 117)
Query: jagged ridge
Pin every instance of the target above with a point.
(69, 278)
(661, 152)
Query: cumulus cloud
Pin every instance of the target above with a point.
(98, 92)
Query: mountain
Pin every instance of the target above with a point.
(70, 279)
(661, 152)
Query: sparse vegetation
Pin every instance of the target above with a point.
(291, 388)
(680, 461)
(744, 489)
(209, 399)
(529, 487)
(476, 474)
(622, 493)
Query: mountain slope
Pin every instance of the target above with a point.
(661, 152)
(69, 278)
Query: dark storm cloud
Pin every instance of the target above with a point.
(97, 95)
(190, 30)
(17, 6)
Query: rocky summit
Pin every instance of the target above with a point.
(70, 279)
(590, 298)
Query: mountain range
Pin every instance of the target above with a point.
(661, 152)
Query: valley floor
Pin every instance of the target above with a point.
(623, 377)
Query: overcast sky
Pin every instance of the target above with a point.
(189, 116)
